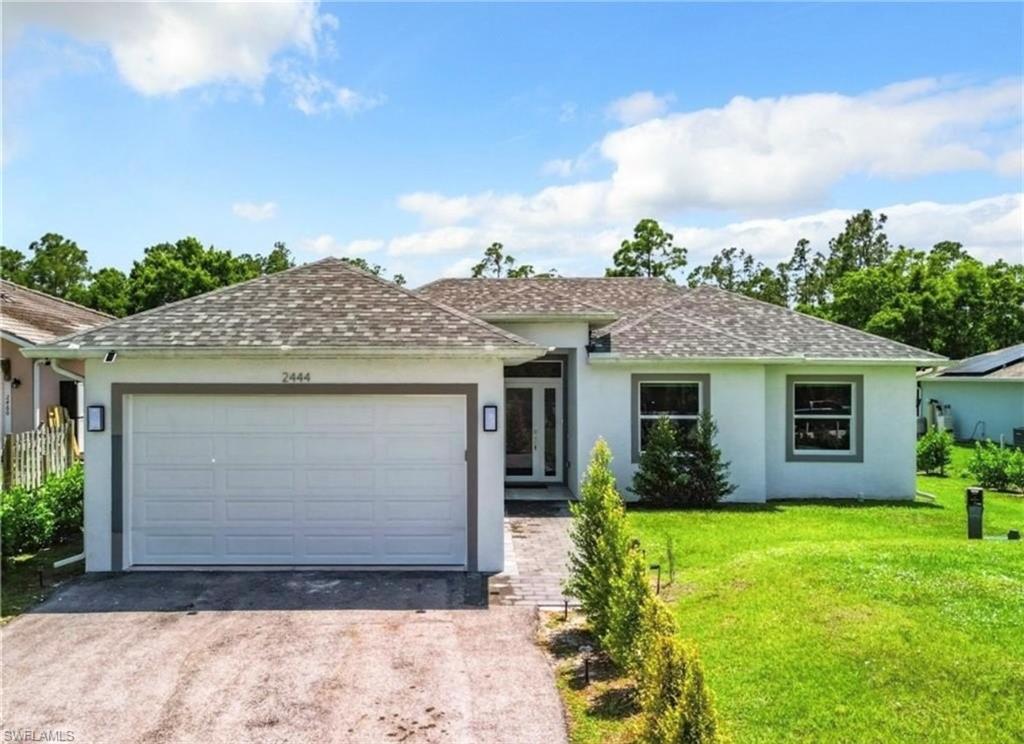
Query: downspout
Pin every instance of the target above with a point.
(55, 366)
(37, 418)
(79, 398)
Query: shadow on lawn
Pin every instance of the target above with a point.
(780, 505)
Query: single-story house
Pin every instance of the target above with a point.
(981, 397)
(324, 416)
(28, 318)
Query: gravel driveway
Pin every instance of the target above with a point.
(277, 657)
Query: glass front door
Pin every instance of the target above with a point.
(533, 430)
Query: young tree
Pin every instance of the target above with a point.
(706, 473)
(637, 616)
(495, 263)
(651, 252)
(599, 544)
(659, 479)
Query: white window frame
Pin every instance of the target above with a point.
(851, 417)
(641, 416)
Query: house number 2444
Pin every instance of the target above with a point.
(295, 377)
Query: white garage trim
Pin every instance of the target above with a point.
(119, 462)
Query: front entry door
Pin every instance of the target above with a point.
(533, 430)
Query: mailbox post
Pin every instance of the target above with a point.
(975, 511)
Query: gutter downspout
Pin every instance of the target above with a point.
(36, 415)
(79, 380)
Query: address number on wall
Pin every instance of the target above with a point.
(295, 377)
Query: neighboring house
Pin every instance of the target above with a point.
(28, 318)
(323, 416)
(985, 394)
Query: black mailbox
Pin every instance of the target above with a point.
(975, 512)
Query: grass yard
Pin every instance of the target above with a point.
(845, 622)
(20, 589)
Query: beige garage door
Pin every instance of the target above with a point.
(296, 480)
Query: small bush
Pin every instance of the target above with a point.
(637, 616)
(997, 467)
(934, 451)
(34, 519)
(676, 705)
(659, 479)
(705, 472)
(598, 534)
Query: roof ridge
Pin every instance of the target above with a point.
(217, 291)
(826, 321)
(645, 314)
(516, 291)
(54, 298)
(434, 303)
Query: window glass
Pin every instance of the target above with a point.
(669, 399)
(822, 399)
(821, 433)
(535, 369)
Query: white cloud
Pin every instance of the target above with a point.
(255, 212)
(440, 240)
(328, 245)
(162, 48)
(312, 94)
(638, 107)
(560, 167)
(567, 112)
(462, 267)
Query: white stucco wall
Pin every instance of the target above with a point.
(888, 469)
(981, 409)
(486, 374)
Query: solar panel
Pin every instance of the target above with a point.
(985, 363)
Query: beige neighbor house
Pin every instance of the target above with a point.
(31, 386)
(322, 416)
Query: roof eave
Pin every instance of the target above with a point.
(615, 358)
(524, 353)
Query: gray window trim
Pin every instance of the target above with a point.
(119, 390)
(634, 383)
(794, 455)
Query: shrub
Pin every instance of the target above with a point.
(934, 451)
(676, 706)
(705, 473)
(997, 467)
(598, 534)
(34, 519)
(659, 478)
(637, 616)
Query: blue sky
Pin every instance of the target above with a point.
(417, 134)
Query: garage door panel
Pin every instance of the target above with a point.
(293, 480)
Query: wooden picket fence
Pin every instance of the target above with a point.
(30, 456)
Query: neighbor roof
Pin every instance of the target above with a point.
(326, 305)
(36, 317)
(1001, 364)
(659, 320)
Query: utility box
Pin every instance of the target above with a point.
(975, 512)
(1018, 437)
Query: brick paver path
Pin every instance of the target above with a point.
(536, 550)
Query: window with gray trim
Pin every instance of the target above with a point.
(824, 418)
(679, 401)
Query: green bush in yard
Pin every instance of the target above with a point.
(637, 616)
(676, 705)
(34, 519)
(659, 479)
(997, 467)
(598, 534)
(934, 451)
(705, 472)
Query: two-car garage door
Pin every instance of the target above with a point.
(296, 480)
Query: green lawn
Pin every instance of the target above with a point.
(848, 622)
(20, 586)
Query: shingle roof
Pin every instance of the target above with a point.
(323, 305)
(38, 318)
(659, 320)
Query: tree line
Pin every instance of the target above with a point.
(166, 273)
(941, 299)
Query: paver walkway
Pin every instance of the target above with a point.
(536, 555)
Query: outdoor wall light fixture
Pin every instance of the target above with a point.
(96, 418)
(110, 357)
(490, 418)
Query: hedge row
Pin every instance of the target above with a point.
(997, 467)
(31, 519)
(609, 576)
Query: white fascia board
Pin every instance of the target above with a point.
(524, 354)
(15, 339)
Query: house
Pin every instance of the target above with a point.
(981, 397)
(324, 416)
(28, 318)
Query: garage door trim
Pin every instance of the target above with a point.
(118, 390)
